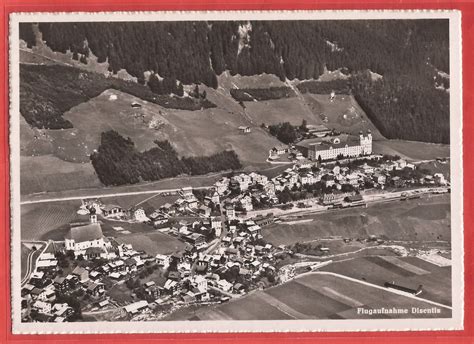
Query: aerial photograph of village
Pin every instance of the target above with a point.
(235, 170)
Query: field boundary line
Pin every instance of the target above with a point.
(393, 291)
(119, 194)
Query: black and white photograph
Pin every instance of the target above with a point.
(236, 171)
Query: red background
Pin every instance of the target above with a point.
(467, 8)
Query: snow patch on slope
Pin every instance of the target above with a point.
(334, 46)
(244, 36)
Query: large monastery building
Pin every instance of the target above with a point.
(330, 148)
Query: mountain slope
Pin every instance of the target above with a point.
(409, 100)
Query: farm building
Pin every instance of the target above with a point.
(279, 150)
(393, 285)
(244, 129)
(318, 130)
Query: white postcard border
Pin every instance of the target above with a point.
(454, 323)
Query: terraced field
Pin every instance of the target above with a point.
(317, 296)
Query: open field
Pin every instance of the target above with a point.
(48, 173)
(228, 81)
(38, 220)
(316, 296)
(343, 114)
(105, 192)
(424, 219)
(411, 150)
(201, 132)
(34, 141)
(147, 201)
(152, 243)
(406, 271)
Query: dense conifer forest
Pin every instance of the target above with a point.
(410, 55)
(118, 162)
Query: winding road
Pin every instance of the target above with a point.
(30, 263)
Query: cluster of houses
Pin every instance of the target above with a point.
(49, 282)
(194, 276)
(333, 178)
(237, 260)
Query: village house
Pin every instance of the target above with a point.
(130, 265)
(380, 178)
(230, 211)
(47, 295)
(140, 216)
(258, 178)
(224, 285)
(42, 306)
(204, 211)
(243, 181)
(246, 203)
(81, 274)
(352, 179)
(60, 283)
(439, 179)
(222, 185)
(62, 310)
(195, 239)
(46, 265)
(163, 260)
(112, 210)
(307, 179)
(213, 197)
(94, 289)
(137, 307)
(171, 286)
(95, 275)
(216, 223)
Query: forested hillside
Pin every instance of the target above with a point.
(118, 162)
(46, 92)
(408, 54)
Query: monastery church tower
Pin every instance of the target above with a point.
(366, 143)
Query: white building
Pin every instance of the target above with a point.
(331, 149)
(80, 238)
(140, 216)
(230, 211)
(222, 185)
(258, 178)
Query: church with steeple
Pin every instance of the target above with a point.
(88, 240)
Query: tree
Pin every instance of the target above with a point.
(303, 126)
